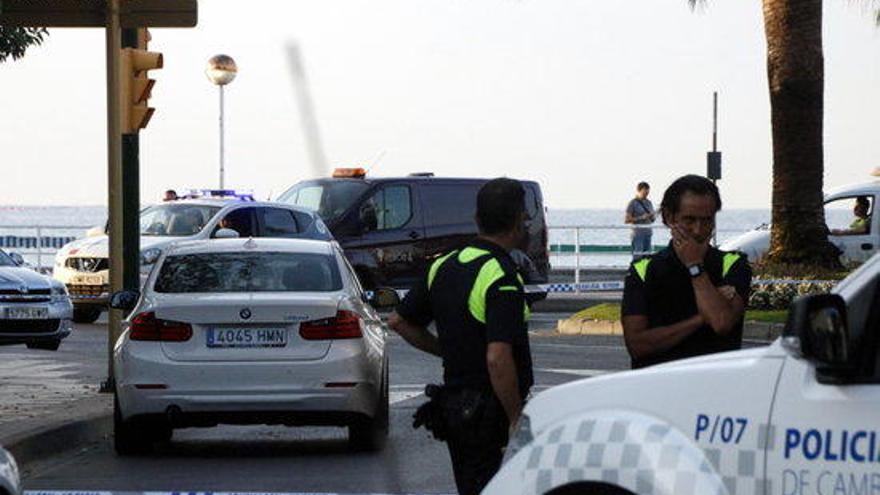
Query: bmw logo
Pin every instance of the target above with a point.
(245, 314)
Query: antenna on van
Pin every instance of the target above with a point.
(376, 160)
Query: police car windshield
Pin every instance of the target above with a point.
(330, 199)
(176, 219)
(5, 260)
(249, 272)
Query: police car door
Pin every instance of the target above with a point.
(839, 216)
(825, 437)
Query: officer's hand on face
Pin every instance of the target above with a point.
(689, 250)
(728, 291)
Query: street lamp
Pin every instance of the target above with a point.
(221, 70)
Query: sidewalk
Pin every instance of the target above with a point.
(49, 402)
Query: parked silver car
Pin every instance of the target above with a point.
(34, 309)
(251, 331)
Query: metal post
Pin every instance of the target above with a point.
(114, 173)
(577, 260)
(39, 248)
(221, 138)
(131, 249)
(715, 148)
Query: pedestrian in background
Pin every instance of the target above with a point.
(640, 211)
(476, 299)
(170, 195)
(689, 298)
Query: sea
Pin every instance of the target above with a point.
(598, 227)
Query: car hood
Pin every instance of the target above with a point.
(753, 243)
(97, 247)
(15, 277)
(649, 390)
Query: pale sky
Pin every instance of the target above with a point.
(587, 97)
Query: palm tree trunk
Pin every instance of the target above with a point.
(795, 70)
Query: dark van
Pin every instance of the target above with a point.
(391, 228)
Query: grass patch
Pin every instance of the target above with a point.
(602, 312)
(611, 312)
(767, 316)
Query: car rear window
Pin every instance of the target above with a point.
(248, 272)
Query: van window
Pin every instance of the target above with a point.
(329, 198)
(392, 205)
(448, 204)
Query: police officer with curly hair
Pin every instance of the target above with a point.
(475, 297)
(689, 298)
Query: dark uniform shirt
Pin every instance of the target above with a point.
(475, 297)
(660, 288)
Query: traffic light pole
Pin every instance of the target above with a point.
(114, 173)
(131, 249)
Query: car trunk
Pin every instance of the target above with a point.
(221, 322)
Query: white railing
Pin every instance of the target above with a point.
(34, 242)
(569, 244)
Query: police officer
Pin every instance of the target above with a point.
(476, 299)
(689, 298)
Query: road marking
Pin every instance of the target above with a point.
(400, 393)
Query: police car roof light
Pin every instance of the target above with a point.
(219, 193)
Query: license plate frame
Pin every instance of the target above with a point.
(245, 338)
(27, 313)
(90, 280)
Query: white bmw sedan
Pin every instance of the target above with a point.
(251, 331)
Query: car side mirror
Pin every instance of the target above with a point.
(17, 259)
(383, 298)
(819, 322)
(124, 299)
(224, 233)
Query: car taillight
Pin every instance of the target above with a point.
(146, 326)
(345, 325)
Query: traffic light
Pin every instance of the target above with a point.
(135, 85)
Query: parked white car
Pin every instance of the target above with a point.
(83, 265)
(250, 331)
(34, 309)
(10, 484)
(797, 417)
(854, 248)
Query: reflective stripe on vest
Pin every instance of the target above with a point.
(641, 268)
(432, 272)
(490, 273)
(728, 261)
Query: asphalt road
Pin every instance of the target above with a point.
(281, 459)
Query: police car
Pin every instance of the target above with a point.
(854, 247)
(801, 416)
(83, 265)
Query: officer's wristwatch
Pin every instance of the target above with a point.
(696, 270)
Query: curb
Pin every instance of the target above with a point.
(46, 436)
(752, 330)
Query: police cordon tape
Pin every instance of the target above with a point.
(617, 285)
